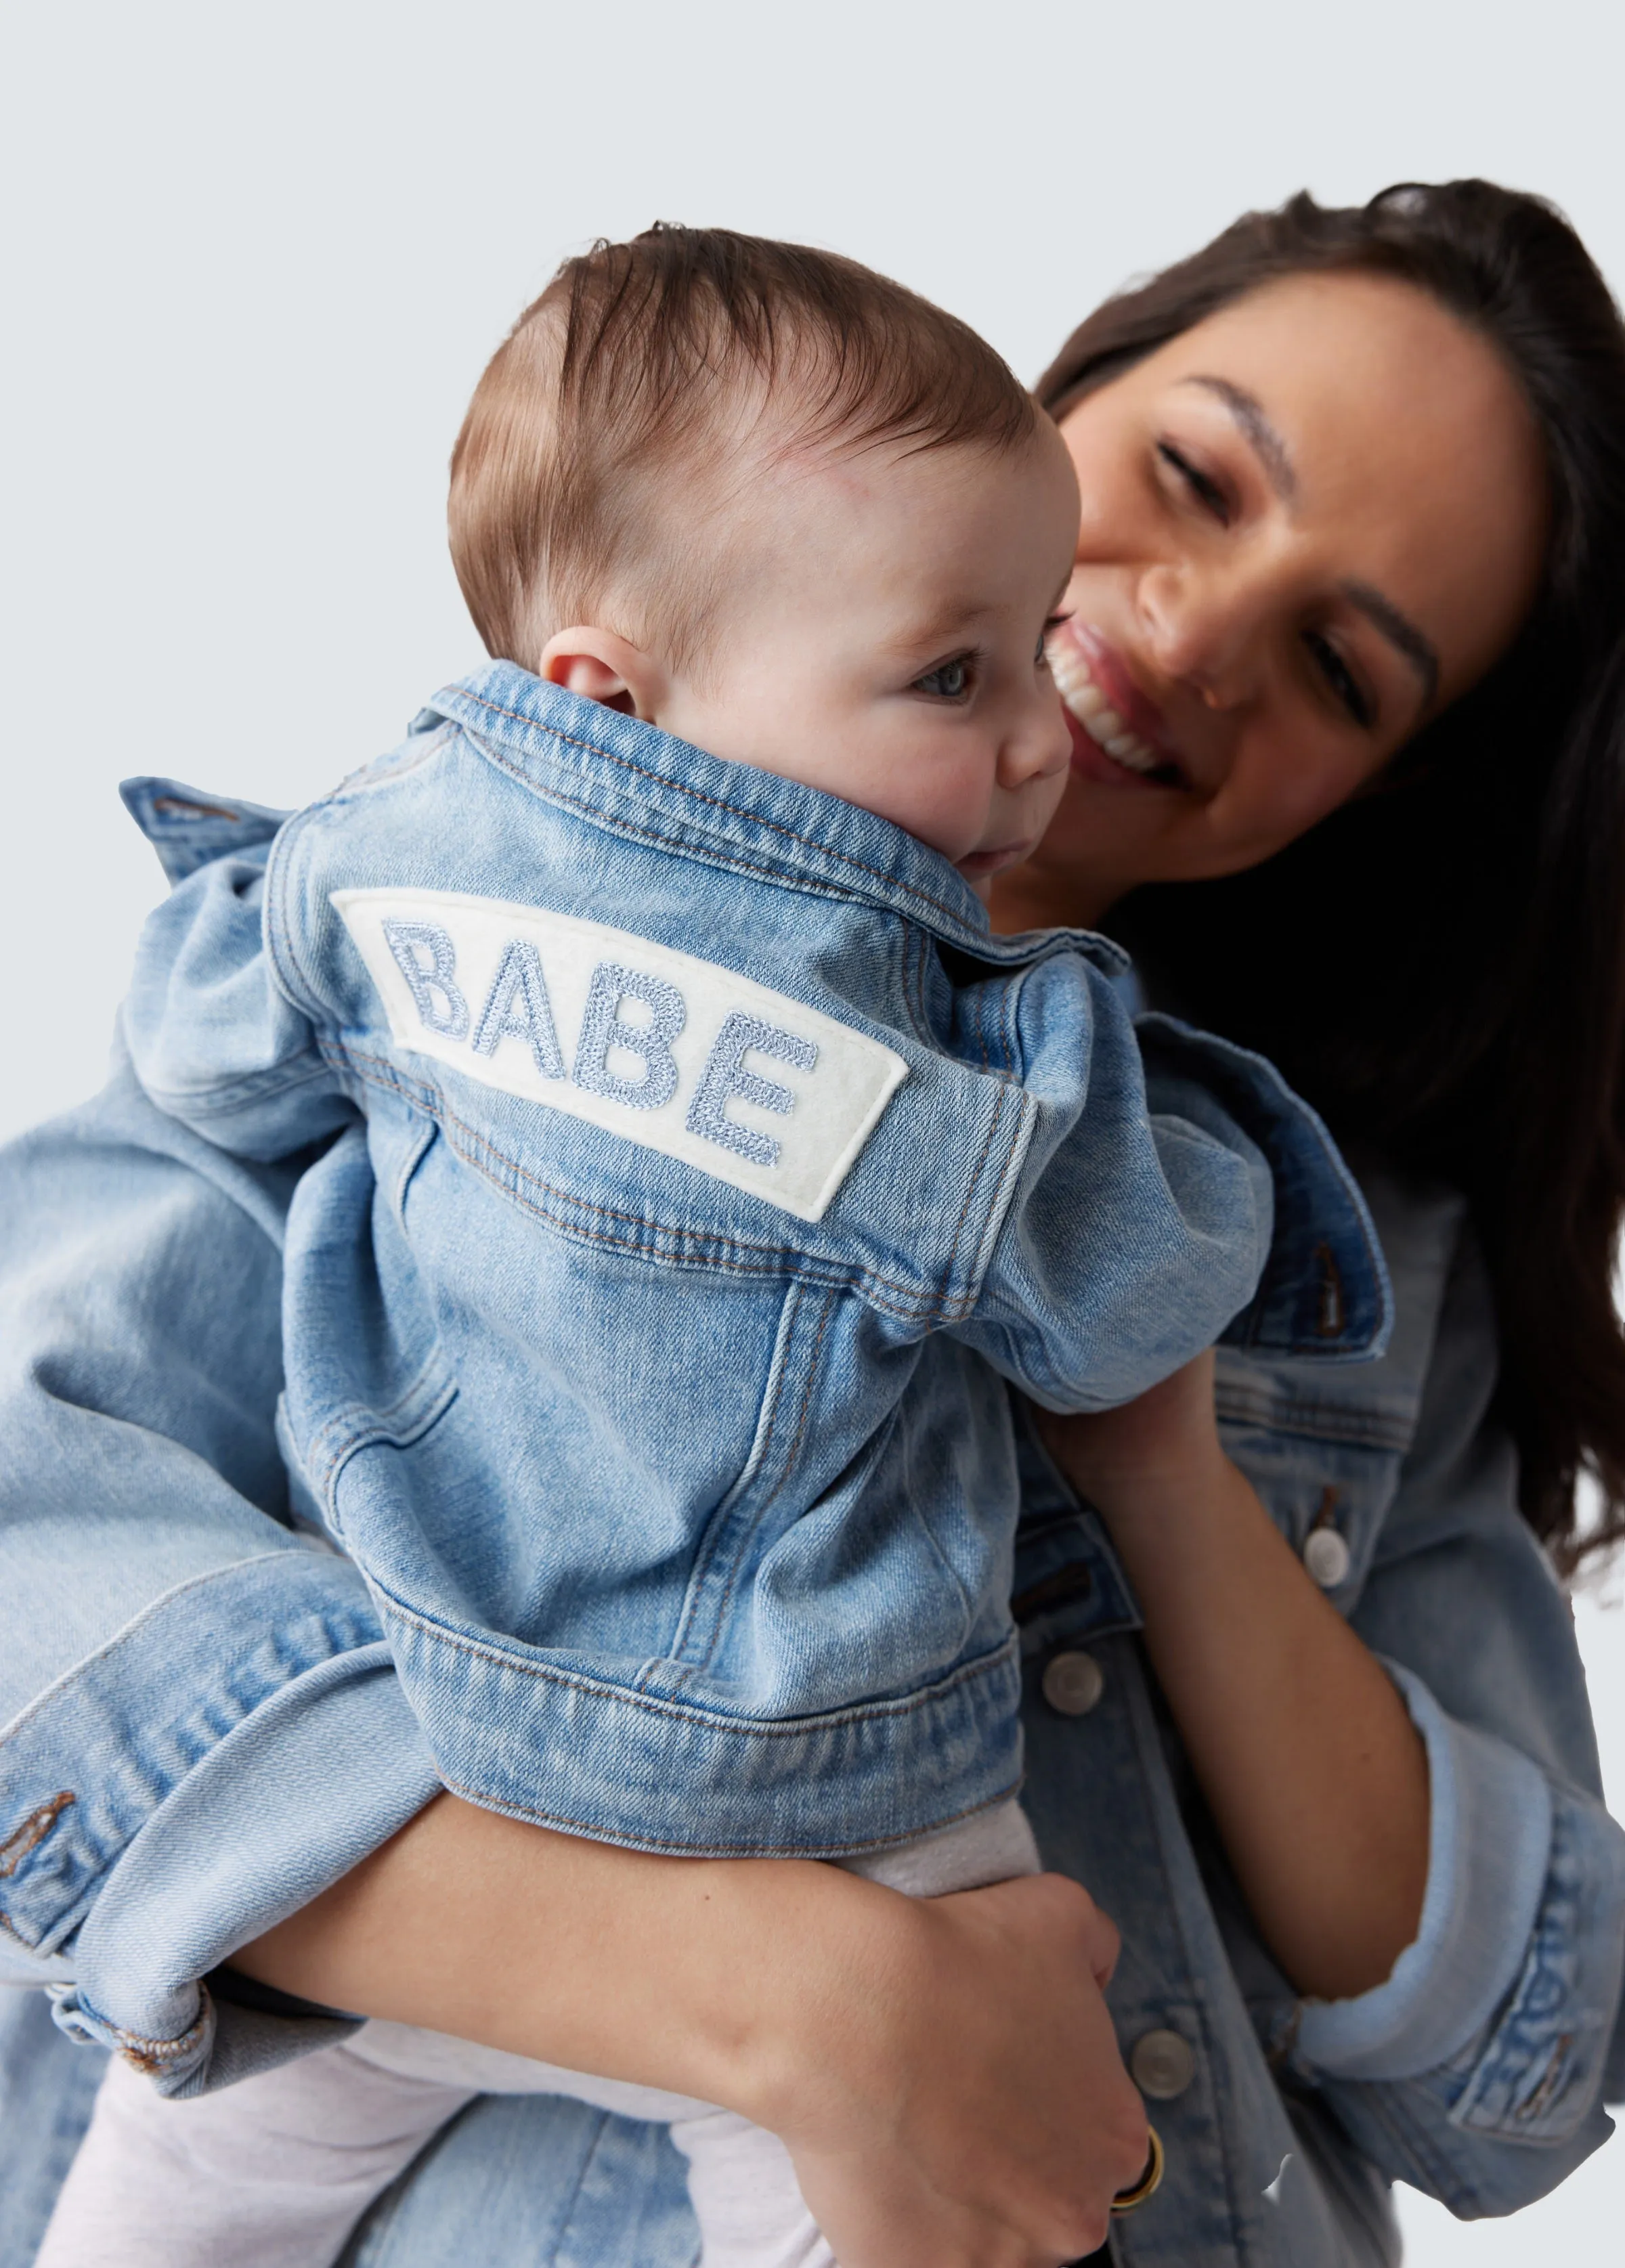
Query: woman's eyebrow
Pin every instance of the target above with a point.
(1267, 445)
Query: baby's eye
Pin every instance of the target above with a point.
(949, 680)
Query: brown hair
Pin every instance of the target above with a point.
(637, 362)
(1441, 965)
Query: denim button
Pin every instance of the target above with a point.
(1326, 1555)
(1073, 1682)
(1162, 2065)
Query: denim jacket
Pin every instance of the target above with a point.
(201, 1728)
(646, 1342)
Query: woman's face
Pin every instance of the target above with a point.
(1308, 524)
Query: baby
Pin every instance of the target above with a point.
(693, 1168)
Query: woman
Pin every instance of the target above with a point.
(1354, 485)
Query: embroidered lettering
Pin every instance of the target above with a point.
(439, 1002)
(659, 1043)
(725, 1076)
(517, 1007)
(604, 1027)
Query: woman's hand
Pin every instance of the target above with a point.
(942, 2071)
(1313, 1771)
(968, 2107)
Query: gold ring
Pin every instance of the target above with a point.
(1148, 2183)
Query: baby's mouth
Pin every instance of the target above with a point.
(977, 866)
(1085, 701)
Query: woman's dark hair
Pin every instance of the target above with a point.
(1440, 966)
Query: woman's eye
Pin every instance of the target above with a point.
(1345, 687)
(1207, 491)
(949, 680)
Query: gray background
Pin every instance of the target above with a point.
(258, 255)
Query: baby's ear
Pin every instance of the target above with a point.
(604, 666)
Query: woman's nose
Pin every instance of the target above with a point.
(1203, 629)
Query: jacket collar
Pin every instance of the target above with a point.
(635, 780)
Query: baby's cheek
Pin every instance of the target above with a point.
(946, 810)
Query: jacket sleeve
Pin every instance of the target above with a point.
(212, 1039)
(200, 1724)
(1173, 1192)
(1478, 2071)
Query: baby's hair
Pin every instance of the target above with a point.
(607, 428)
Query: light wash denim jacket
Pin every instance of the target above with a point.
(646, 1341)
(201, 1726)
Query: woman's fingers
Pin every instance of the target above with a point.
(976, 2113)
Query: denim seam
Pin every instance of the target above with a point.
(695, 795)
(278, 930)
(998, 1211)
(972, 1184)
(1009, 994)
(330, 1447)
(710, 1544)
(922, 948)
(583, 2167)
(733, 1256)
(910, 981)
(787, 1468)
(596, 1831)
(70, 1678)
(708, 1721)
(417, 1150)
(218, 1102)
(151, 2057)
(1316, 1421)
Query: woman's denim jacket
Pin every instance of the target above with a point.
(646, 1342)
(201, 1726)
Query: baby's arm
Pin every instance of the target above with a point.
(1169, 1181)
(213, 1039)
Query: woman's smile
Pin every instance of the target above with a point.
(1119, 736)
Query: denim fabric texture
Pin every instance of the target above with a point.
(1444, 1582)
(201, 1728)
(698, 1169)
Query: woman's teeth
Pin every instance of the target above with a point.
(1099, 719)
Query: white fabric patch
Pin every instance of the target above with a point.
(661, 1048)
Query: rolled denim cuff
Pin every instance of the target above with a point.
(1490, 1841)
(235, 1750)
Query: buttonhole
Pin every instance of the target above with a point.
(33, 1831)
(1331, 1318)
(1056, 1590)
(170, 807)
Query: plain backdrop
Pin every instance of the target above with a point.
(258, 254)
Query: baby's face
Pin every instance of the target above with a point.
(884, 641)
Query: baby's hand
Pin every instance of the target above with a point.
(1162, 1444)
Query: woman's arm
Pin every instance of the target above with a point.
(204, 1735)
(933, 2065)
(1477, 2069)
(201, 1725)
(1307, 1755)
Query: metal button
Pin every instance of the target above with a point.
(1073, 1682)
(1326, 1555)
(1163, 2065)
